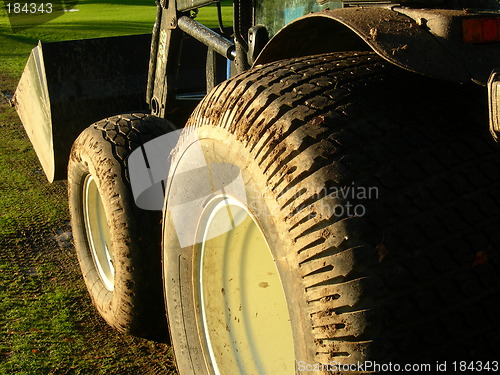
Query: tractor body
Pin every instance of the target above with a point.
(440, 39)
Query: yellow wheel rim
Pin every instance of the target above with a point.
(242, 310)
(97, 231)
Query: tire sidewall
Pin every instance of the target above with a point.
(107, 176)
(220, 147)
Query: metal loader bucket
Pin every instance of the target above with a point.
(66, 86)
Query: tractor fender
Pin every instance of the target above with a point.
(394, 36)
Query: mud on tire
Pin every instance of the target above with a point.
(118, 244)
(412, 275)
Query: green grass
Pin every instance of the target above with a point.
(208, 15)
(47, 324)
(46, 330)
(41, 327)
(94, 19)
(24, 203)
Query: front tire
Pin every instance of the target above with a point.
(117, 244)
(344, 164)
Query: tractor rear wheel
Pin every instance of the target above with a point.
(117, 243)
(327, 210)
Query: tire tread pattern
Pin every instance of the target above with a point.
(377, 286)
(139, 308)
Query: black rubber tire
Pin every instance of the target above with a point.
(135, 305)
(410, 278)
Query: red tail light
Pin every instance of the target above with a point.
(481, 30)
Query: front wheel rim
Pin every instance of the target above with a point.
(97, 230)
(243, 314)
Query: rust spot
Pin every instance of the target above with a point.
(317, 120)
(263, 284)
(481, 257)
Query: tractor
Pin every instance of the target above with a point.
(309, 187)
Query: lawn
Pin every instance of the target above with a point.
(91, 19)
(94, 19)
(47, 324)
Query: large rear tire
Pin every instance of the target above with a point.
(117, 243)
(360, 197)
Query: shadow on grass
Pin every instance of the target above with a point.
(18, 38)
(73, 30)
(136, 2)
(121, 2)
(115, 27)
